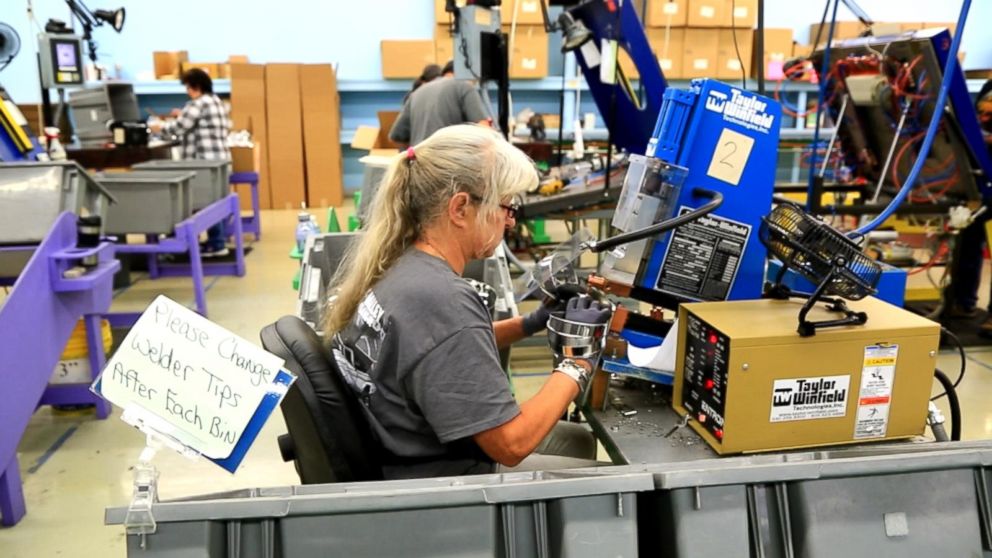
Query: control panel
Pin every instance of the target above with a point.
(704, 389)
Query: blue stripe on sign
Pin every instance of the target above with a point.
(52, 449)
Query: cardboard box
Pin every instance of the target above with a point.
(285, 135)
(842, 30)
(529, 54)
(667, 13)
(778, 49)
(237, 59)
(743, 13)
(406, 59)
(440, 16)
(528, 12)
(167, 64)
(321, 107)
(246, 159)
(707, 13)
(386, 120)
(728, 66)
(248, 112)
(211, 68)
(444, 45)
(801, 51)
(700, 50)
(668, 49)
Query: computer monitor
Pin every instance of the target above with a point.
(61, 60)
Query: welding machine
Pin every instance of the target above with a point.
(749, 383)
(711, 137)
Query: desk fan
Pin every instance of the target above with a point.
(823, 256)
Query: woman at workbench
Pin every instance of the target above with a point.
(414, 341)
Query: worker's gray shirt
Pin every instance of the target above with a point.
(435, 105)
(421, 356)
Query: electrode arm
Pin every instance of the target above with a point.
(716, 199)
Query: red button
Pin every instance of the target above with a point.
(718, 433)
(708, 384)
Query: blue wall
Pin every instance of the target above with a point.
(348, 33)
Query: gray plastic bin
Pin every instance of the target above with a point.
(905, 500)
(32, 195)
(521, 515)
(94, 108)
(321, 257)
(210, 184)
(149, 202)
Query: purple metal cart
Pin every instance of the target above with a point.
(36, 320)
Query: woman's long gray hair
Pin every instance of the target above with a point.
(415, 192)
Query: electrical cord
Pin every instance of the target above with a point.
(737, 49)
(938, 112)
(952, 402)
(964, 363)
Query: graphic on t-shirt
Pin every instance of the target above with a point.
(356, 348)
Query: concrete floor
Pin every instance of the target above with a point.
(74, 466)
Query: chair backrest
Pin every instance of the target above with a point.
(329, 436)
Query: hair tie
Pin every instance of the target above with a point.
(411, 156)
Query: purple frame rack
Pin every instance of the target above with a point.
(249, 223)
(186, 240)
(37, 319)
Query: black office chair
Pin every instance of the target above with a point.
(329, 437)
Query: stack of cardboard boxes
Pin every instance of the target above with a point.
(293, 113)
(172, 64)
(696, 38)
(528, 49)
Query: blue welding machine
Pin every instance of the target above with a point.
(716, 137)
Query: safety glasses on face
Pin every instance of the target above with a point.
(510, 208)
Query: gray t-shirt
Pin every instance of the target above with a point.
(435, 105)
(421, 355)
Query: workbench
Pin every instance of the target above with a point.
(637, 415)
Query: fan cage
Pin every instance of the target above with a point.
(813, 248)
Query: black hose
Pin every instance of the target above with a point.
(961, 353)
(716, 199)
(952, 402)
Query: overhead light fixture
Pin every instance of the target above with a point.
(114, 18)
(575, 32)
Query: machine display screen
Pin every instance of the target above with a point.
(66, 57)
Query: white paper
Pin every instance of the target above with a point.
(875, 395)
(590, 53)
(608, 63)
(730, 156)
(817, 397)
(200, 382)
(660, 357)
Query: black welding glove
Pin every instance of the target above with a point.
(538, 319)
(586, 310)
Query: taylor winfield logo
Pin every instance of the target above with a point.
(805, 392)
(740, 107)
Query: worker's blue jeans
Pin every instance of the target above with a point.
(216, 239)
(966, 272)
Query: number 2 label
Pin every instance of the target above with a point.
(730, 156)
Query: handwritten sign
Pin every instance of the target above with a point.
(201, 383)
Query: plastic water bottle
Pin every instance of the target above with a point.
(304, 229)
